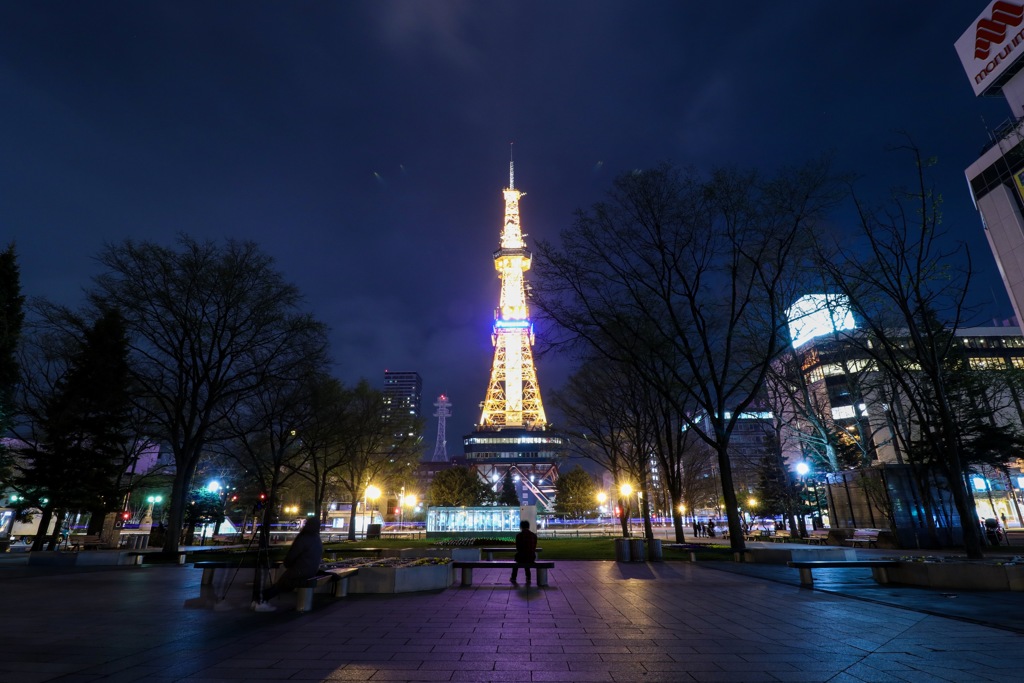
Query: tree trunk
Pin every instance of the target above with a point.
(176, 511)
(677, 523)
(44, 523)
(352, 517)
(736, 539)
(54, 538)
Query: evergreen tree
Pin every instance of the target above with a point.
(12, 317)
(575, 493)
(508, 496)
(457, 486)
(85, 429)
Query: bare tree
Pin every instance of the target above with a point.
(322, 438)
(908, 292)
(600, 404)
(208, 325)
(684, 277)
(374, 449)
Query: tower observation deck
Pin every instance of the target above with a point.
(513, 406)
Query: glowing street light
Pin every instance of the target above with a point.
(602, 497)
(371, 494)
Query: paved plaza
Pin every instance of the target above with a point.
(597, 621)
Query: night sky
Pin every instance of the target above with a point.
(365, 144)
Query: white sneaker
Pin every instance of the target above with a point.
(262, 607)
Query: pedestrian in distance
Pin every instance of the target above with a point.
(526, 550)
(301, 563)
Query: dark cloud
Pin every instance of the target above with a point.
(365, 144)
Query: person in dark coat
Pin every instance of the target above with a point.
(302, 562)
(526, 550)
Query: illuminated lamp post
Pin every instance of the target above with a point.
(802, 469)
(403, 501)
(371, 494)
(625, 491)
(602, 497)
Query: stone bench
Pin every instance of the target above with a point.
(868, 537)
(468, 567)
(210, 568)
(877, 567)
(818, 537)
(137, 556)
(85, 542)
(336, 578)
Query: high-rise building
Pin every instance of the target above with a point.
(512, 435)
(991, 51)
(402, 392)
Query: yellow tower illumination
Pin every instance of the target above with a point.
(513, 394)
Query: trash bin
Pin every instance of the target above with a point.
(372, 531)
(622, 550)
(636, 550)
(654, 550)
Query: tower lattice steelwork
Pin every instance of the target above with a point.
(443, 412)
(513, 394)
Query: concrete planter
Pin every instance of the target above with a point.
(462, 554)
(959, 576)
(401, 579)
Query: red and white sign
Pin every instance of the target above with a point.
(992, 44)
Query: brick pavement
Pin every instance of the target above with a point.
(598, 621)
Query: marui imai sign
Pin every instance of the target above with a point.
(992, 44)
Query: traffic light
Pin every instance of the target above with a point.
(125, 516)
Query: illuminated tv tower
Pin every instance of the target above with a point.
(443, 412)
(513, 395)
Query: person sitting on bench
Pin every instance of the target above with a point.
(526, 550)
(302, 562)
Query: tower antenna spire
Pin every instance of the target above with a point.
(511, 168)
(443, 412)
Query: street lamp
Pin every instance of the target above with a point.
(602, 497)
(404, 500)
(802, 469)
(372, 494)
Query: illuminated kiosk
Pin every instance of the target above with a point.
(512, 438)
(477, 521)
